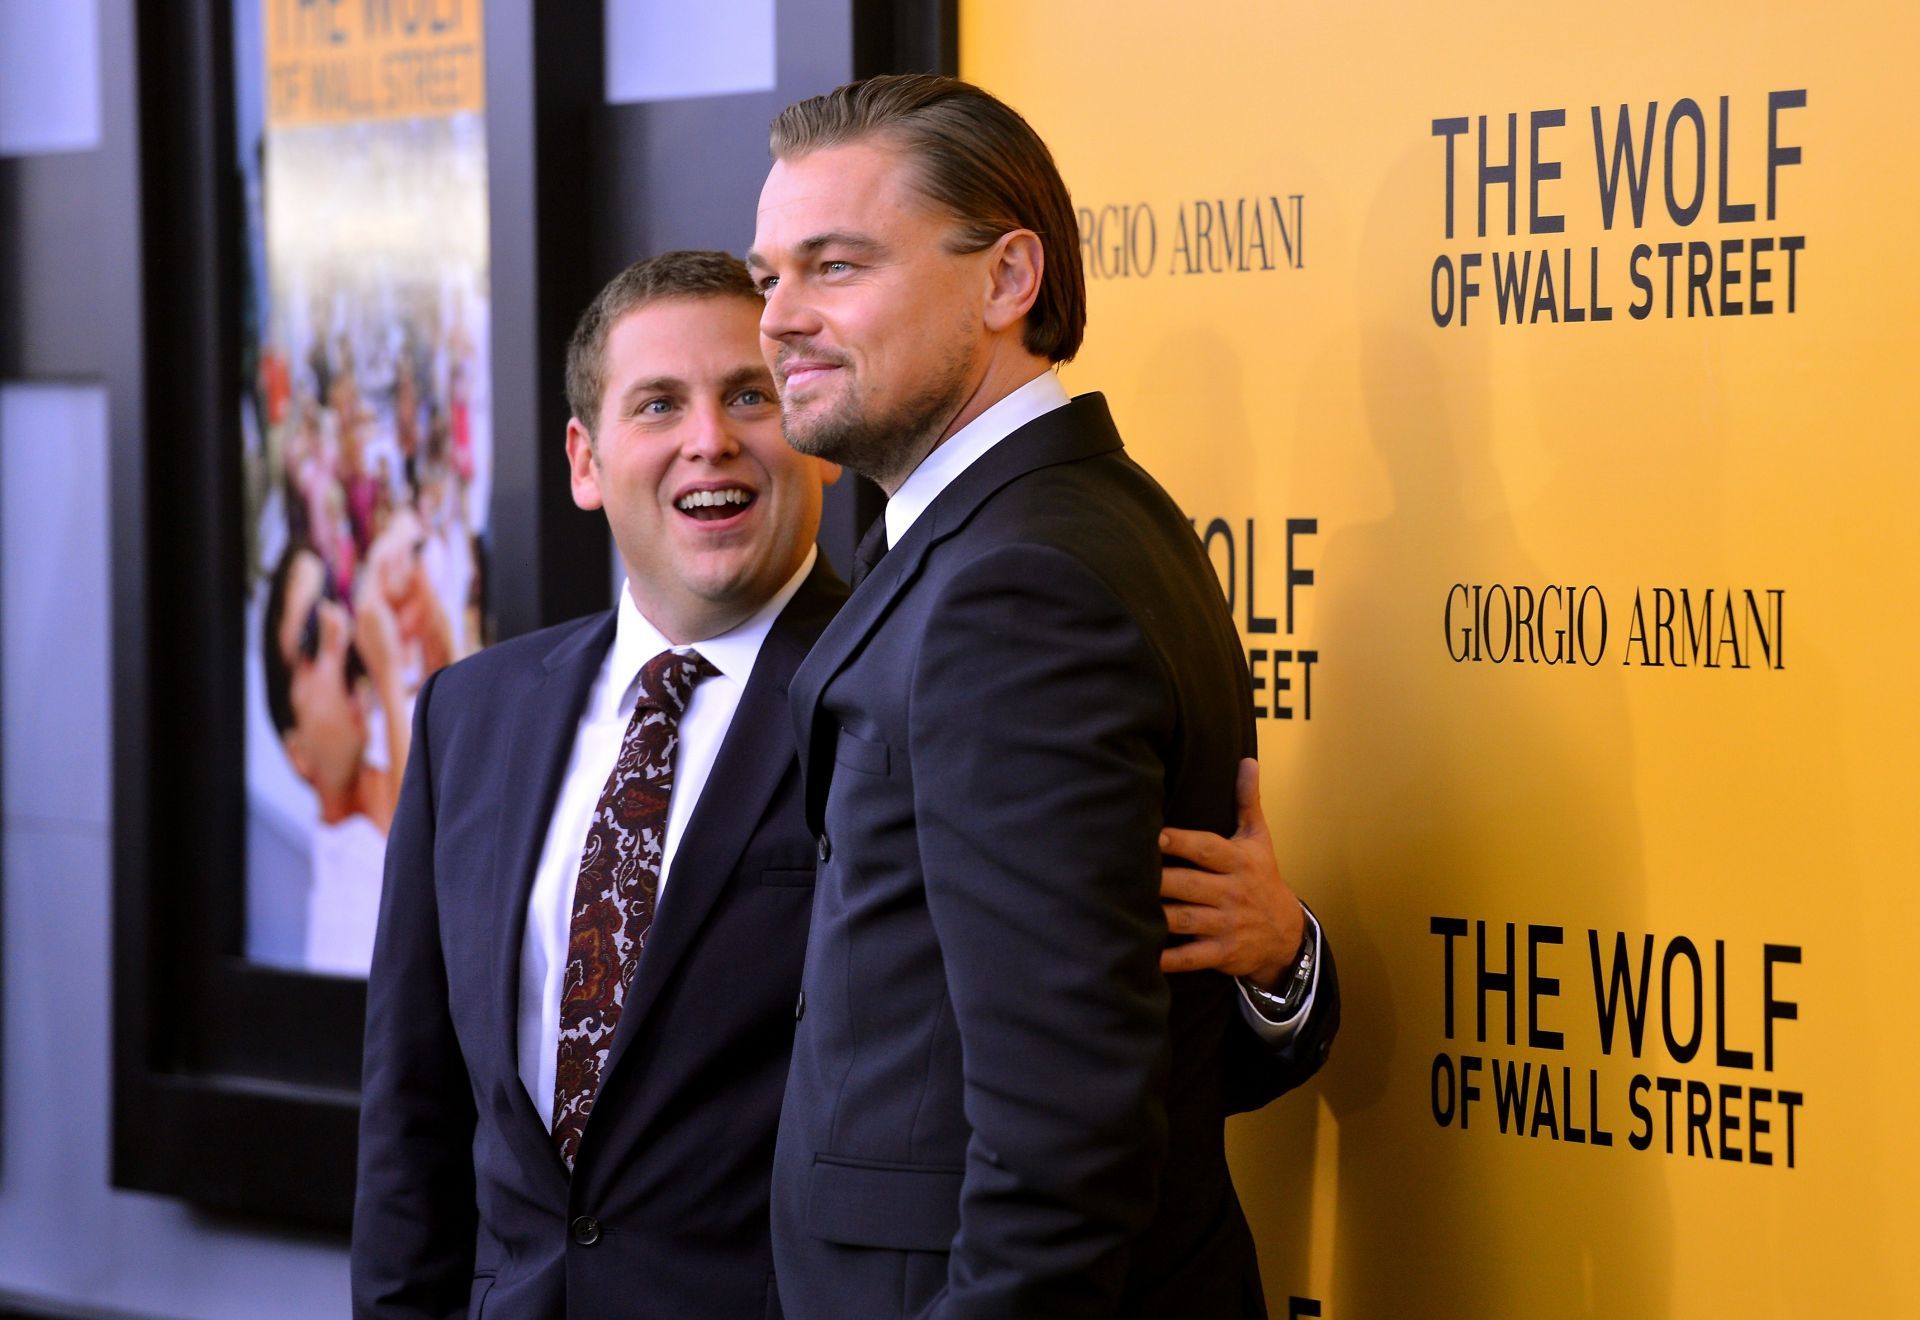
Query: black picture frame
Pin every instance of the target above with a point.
(235, 1084)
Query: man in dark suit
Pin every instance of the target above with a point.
(647, 1195)
(998, 1105)
(465, 1192)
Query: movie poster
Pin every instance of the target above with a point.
(1539, 379)
(366, 434)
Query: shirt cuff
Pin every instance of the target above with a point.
(1266, 1028)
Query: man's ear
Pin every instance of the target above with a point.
(1015, 264)
(829, 472)
(583, 467)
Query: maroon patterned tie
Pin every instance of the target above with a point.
(614, 896)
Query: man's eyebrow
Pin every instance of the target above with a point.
(844, 239)
(653, 385)
(744, 375)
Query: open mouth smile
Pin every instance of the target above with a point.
(715, 505)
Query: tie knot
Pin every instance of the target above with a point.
(871, 550)
(667, 680)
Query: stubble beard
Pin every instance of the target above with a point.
(883, 447)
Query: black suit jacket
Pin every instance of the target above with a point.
(462, 1200)
(998, 1106)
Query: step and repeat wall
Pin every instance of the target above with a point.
(1541, 382)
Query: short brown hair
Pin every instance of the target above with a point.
(978, 159)
(669, 275)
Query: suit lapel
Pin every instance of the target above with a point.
(755, 756)
(542, 737)
(1080, 429)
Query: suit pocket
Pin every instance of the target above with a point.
(477, 1299)
(857, 753)
(875, 1203)
(795, 876)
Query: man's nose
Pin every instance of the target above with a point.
(786, 313)
(711, 434)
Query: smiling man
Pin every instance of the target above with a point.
(998, 1106)
(553, 1124)
(600, 876)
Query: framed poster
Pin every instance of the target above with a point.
(321, 511)
(366, 437)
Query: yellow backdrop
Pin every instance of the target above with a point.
(1580, 603)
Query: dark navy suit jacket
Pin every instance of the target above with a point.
(998, 1107)
(462, 1202)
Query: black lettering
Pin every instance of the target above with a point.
(1778, 155)
(1699, 275)
(1622, 155)
(1640, 310)
(1699, 1114)
(1731, 213)
(1449, 929)
(1441, 314)
(1687, 109)
(1792, 246)
(1728, 1122)
(1296, 577)
(1219, 528)
(1756, 1125)
(1635, 1089)
(1263, 623)
(1730, 275)
(1539, 986)
(1458, 589)
(1444, 1101)
(1760, 275)
(1540, 171)
(1510, 283)
(1510, 1094)
(1668, 251)
(1790, 1100)
(1491, 175)
(1498, 982)
(1619, 986)
(1669, 1088)
(1680, 947)
(1725, 1057)
(1776, 1009)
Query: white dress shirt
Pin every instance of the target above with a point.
(936, 472)
(596, 745)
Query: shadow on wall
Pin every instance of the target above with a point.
(1437, 789)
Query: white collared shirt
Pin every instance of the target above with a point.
(964, 447)
(936, 472)
(596, 745)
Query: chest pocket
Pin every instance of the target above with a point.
(856, 753)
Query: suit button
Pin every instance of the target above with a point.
(800, 1007)
(826, 849)
(586, 1230)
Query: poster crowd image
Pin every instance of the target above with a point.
(367, 432)
(1538, 379)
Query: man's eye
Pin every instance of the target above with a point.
(766, 284)
(836, 267)
(752, 398)
(655, 408)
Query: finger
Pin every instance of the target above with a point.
(1246, 792)
(1199, 847)
(1185, 886)
(1195, 919)
(1193, 956)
